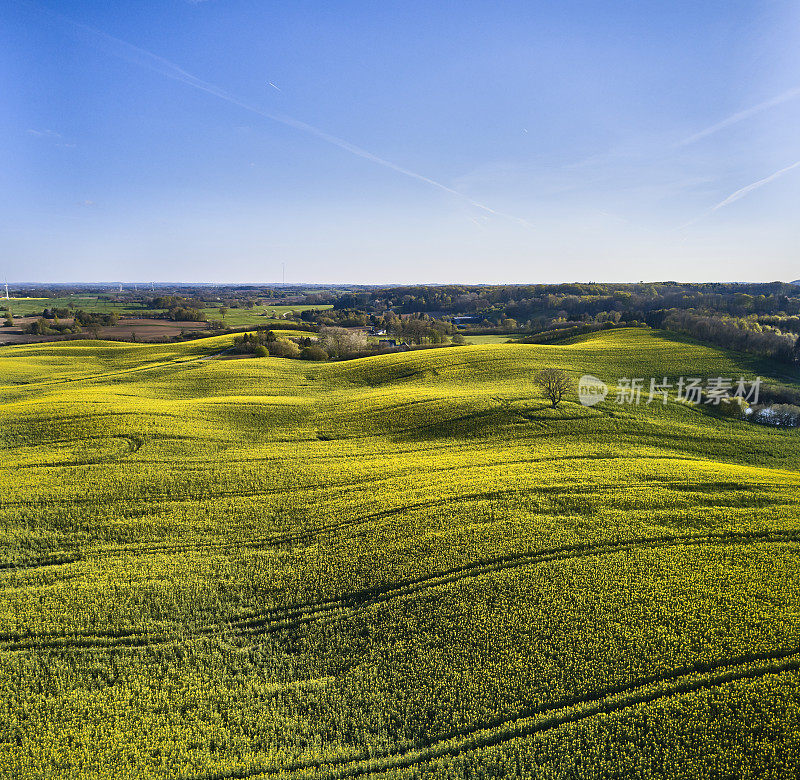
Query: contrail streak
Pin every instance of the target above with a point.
(739, 116)
(755, 185)
(147, 59)
(740, 193)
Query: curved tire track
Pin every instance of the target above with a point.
(37, 563)
(296, 615)
(293, 616)
(553, 715)
(690, 679)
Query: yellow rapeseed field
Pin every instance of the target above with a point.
(401, 565)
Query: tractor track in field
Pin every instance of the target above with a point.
(546, 717)
(257, 542)
(300, 536)
(133, 444)
(295, 537)
(174, 363)
(38, 563)
(294, 616)
(359, 484)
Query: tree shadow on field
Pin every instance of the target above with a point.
(472, 424)
(495, 420)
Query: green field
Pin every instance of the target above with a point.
(259, 315)
(24, 307)
(234, 318)
(401, 566)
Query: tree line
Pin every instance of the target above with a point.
(738, 333)
(763, 319)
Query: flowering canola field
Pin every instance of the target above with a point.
(400, 566)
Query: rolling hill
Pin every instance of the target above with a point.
(402, 565)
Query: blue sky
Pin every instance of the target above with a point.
(394, 142)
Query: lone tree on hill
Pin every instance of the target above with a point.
(555, 383)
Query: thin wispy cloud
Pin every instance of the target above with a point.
(51, 135)
(742, 192)
(147, 59)
(44, 133)
(740, 116)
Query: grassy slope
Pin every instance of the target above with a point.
(234, 318)
(24, 307)
(229, 566)
(260, 315)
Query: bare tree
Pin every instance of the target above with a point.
(555, 383)
(342, 343)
